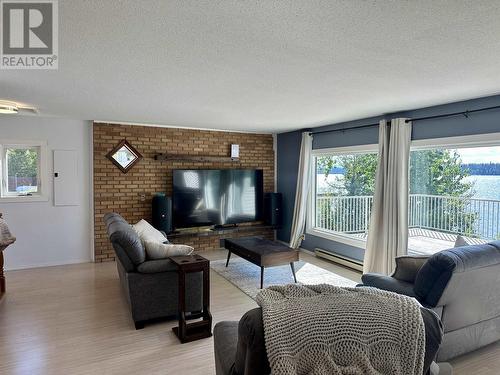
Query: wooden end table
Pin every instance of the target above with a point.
(187, 332)
(263, 253)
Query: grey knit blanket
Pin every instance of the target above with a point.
(323, 329)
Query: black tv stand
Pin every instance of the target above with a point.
(224, 226)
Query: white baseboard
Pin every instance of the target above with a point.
(339, 259)
(47, 264)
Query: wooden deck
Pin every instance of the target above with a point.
(422, 245)
(428, 242)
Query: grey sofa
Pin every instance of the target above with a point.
(462, 285)
(240, 347)
(150, 286)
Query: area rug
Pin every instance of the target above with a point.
(246, 276)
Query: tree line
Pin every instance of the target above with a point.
(484, 169)
(472, 169)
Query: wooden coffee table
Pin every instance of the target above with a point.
(263, 253)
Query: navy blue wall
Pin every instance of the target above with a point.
(287, 159)
(289, 149)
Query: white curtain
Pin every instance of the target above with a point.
(388, 232)
(301, 194)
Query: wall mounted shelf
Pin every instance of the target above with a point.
(210, 232)
(195, 158)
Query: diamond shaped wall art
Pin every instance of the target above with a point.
(124, 156)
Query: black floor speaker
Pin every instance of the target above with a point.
(162, 212)
(272, 209)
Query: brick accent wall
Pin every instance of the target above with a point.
(130, 194)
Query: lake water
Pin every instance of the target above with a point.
(485, 187)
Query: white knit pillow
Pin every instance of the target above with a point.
(461, 242)
(147, 232)
(158, 250)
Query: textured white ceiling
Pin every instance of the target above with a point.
(262, 65)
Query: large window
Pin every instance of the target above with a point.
(454, 189)
(22, 170)
(343, 194)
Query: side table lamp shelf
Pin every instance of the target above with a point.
(187, 332)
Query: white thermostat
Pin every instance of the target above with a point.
(235, 151)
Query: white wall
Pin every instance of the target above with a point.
(49, 235)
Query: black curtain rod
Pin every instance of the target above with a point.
(348, 128)
(462, 113)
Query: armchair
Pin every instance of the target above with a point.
(240, 348)
(462, 285)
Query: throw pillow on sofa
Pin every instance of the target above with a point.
(147, 232)
(158, 250)
(461, 242)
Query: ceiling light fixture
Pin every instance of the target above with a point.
(8, 107)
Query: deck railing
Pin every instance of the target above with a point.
(467, 216)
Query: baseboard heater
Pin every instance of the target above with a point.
(339, 259)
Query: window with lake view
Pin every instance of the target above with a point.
(344, 193)
(452, 191)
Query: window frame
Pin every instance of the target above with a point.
(465, 141)
(42, 193)
(311, 206)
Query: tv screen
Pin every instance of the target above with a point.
(216, 196)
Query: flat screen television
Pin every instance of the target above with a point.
(205, 197)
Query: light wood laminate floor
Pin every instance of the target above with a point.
(73, 320)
